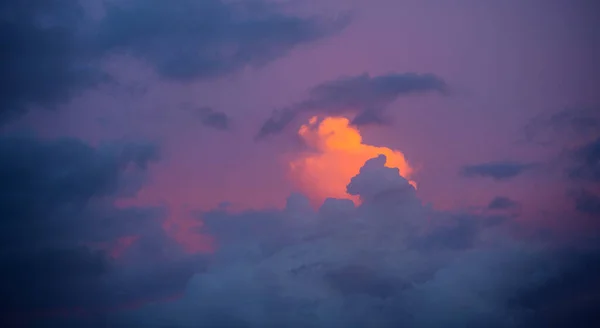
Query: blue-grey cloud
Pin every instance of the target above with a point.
(502, 203)
(52, 49)
(383, 263)
(586, 202)
(198, 39)
(362, 96)
(214, 119)
(496, 170)
(56, 203)
(586, 166)
(42, 61)
(570, 123)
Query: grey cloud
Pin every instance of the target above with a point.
(374, 180)
(502, 203)
(587, 202)
(363, 96)
(568, 297)
(586, 165)
(570, 123)
(496, 170)
(214, 119)
(369, 117)
(42, 61)
(362, 269)
(56, 202)
(52, 49)
(201, 39)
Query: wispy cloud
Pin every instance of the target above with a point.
(496, 170)
(363, 96)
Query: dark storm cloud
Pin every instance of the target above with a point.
(364, 96)
(502, 203)
(569, 296)
(51, 49)
(42, 59)
(214, 119)
(57, 202)
(496, 170)
(47, 184)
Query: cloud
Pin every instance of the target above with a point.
(583, 171)
(214, 119)
(502, 203)
(374, 178)
(586, 166)
(587, 202)
(363, 96)
(43, 61)
(496, 170)
(390, 262)
(57, 209)
(571, 123)
(203, 39)
(54, 49)
(335, 154)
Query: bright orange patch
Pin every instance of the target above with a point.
(339, 155)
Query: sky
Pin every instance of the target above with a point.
(287, 163)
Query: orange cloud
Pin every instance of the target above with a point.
(339, 153)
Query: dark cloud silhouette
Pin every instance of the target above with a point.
(56, 204)
(214, 119)
(569, 296)
(496, 170)
(502, 203)
(363, 96)
(52, 49)
(376, 180)
(43, 60)
(200, 39)
(383, 264)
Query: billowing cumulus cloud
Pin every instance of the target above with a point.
(335, 154)
(390, 262)
(53, 49)
(363, 97)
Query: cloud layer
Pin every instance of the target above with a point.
(53, 49)
(389, 262)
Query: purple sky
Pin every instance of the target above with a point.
(504, 62)
(507, 67)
